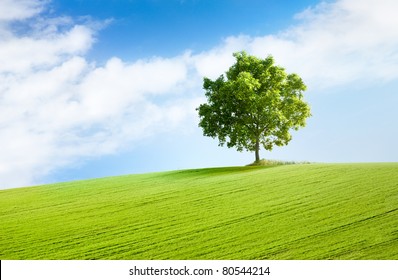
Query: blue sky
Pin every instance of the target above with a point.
(142, 28)
(99, 88)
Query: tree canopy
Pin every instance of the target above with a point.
(255, 104)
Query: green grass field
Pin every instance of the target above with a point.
(312, 211)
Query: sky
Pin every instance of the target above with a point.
(103, 88)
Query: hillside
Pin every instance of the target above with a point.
(314, 211)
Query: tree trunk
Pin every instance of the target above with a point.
(257, 150)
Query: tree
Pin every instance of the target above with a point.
(256, 104)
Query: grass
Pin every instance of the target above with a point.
(312, 211)
(272, 162)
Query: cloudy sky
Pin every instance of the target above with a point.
(92, 88)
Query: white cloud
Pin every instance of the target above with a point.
(56, 107)
(19, 9)
(113, 88)
(26, 53)
(340, 42)
(55, 116)
(216, 61)
(332, 44)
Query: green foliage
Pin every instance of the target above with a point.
(309, 211)
(257, 103)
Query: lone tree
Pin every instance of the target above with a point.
(256, 104)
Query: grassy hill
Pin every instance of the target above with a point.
(314, 211)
